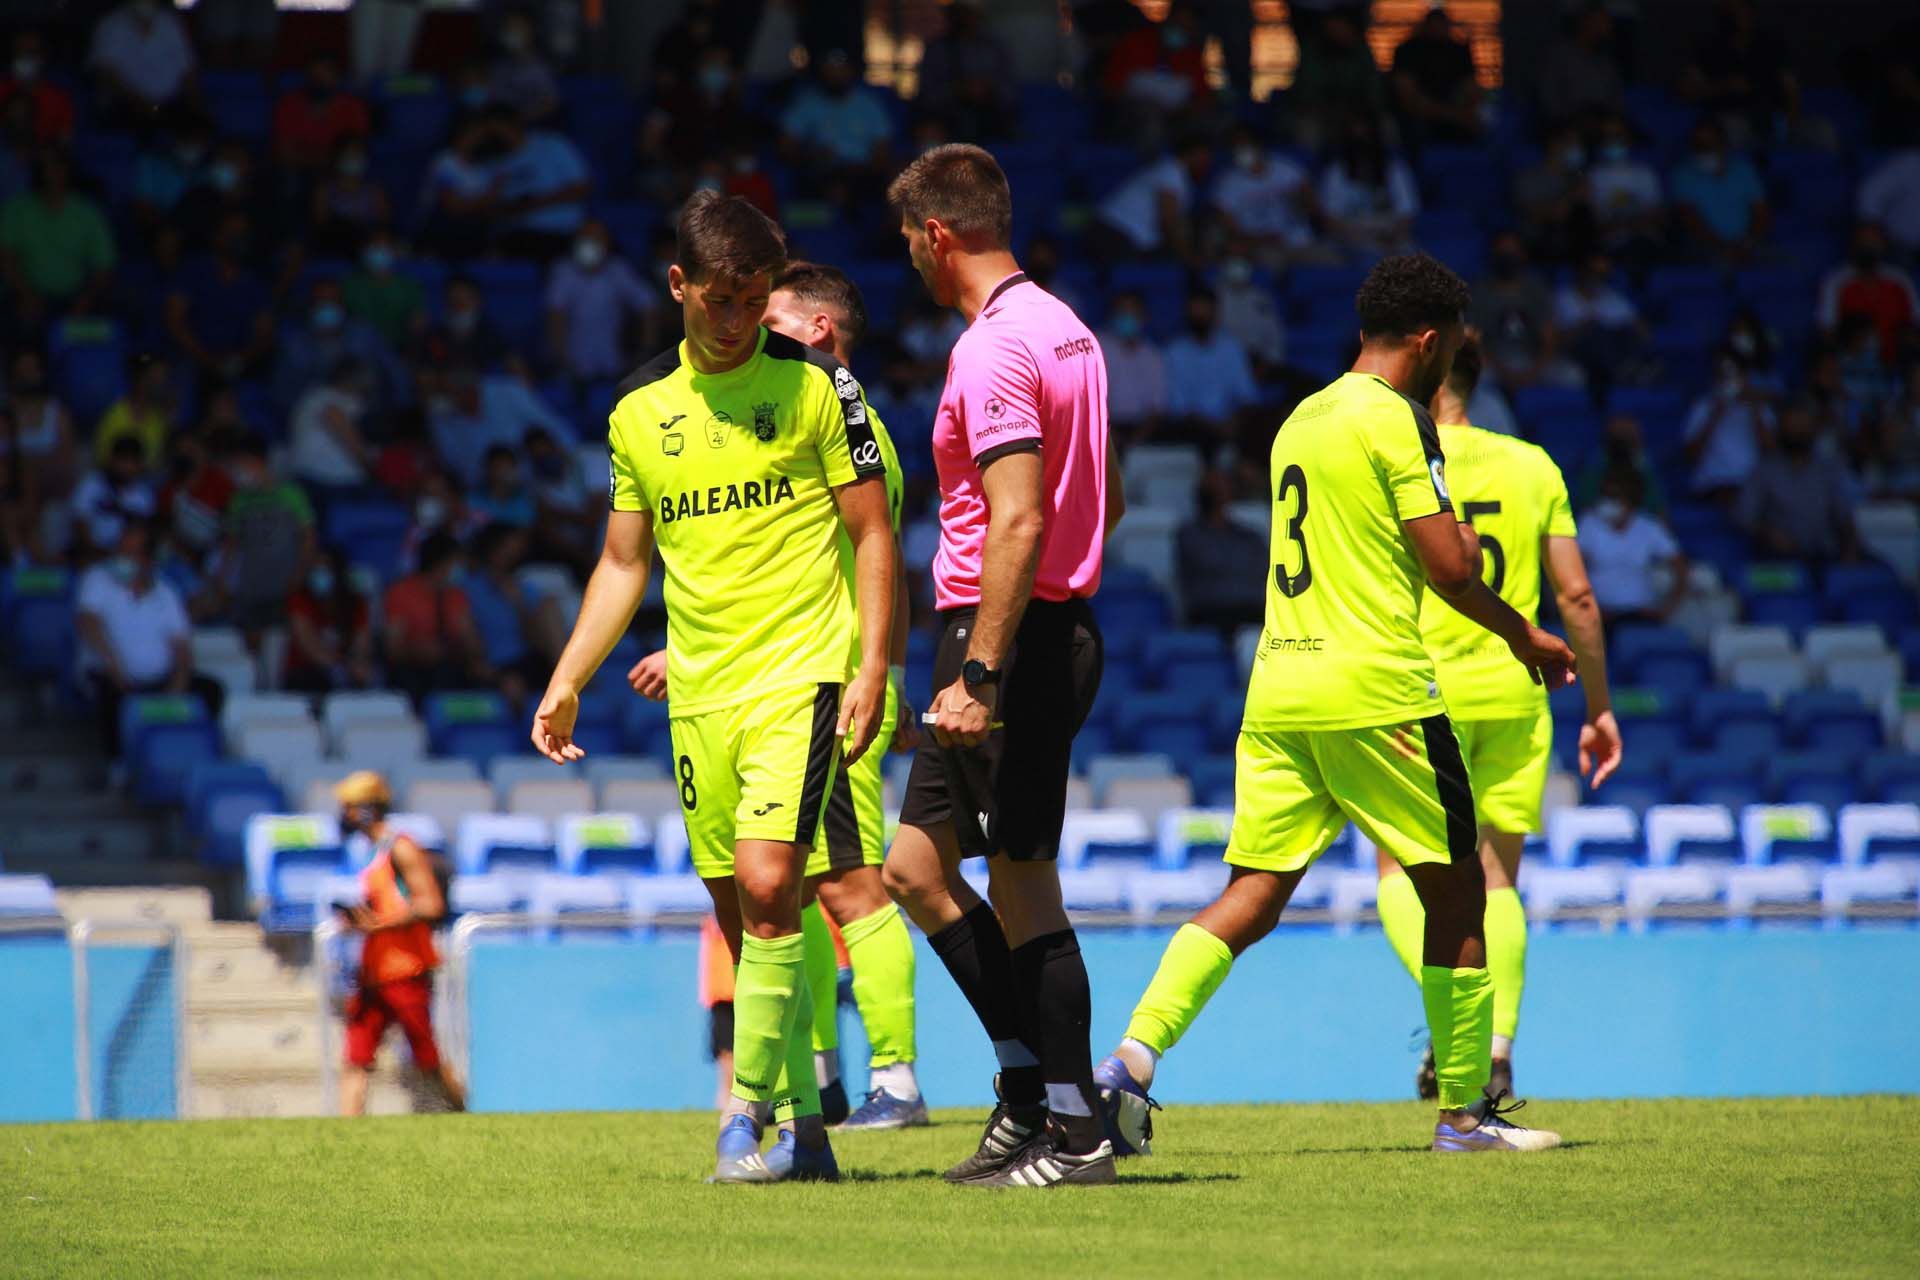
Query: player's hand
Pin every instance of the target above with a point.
(906, 730)
(961, 719)
(861, 709)
(649, 676)
(1600, 749)
(363, 919)
(1547, 658)
(553, 726)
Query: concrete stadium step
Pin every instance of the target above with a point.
(285, 1039)
(261, 1095)
(40, 734)
(126, 837)
(189, 908)
(53, 772)
(68, 806)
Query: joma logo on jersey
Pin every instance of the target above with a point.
(719, 428)
(725, 497)
(763, 422)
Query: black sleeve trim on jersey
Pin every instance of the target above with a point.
(1030, 445)
(861, 446)
(652, 371)
(1430, 448)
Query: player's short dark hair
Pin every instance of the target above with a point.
(722, 237)
(1468, 361)
(1408, 293)
(964, 187)
(830, 289)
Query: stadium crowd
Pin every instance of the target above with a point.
(243, 301)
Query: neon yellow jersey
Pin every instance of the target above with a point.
(896, 501)
(738, 470)
(1341, 648)
(1514, 496)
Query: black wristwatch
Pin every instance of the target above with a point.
(976, 672)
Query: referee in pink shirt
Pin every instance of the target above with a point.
(1028, 491)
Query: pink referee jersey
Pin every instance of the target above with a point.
(1026, 373)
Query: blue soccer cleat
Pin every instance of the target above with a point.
(737, 1155)
(885, 1110)
(791, 1162)
(1125, 1109)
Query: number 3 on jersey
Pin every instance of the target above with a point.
(1293, 493)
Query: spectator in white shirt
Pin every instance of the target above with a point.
(329, 449)
(1266, 204)
(1726, 431)
(592, 297)
(1599, 325)
(1209, 378)
(1248, 312)
(1368, 194)
(1626, 551)
(1890, 196)
(1629, 202)
(1136, 369)
(143, 56)
(106, 499)
(1151, 212)
(134, 632)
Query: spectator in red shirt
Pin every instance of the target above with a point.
(330, 631)
(1867, 285)
(310, 122)
(1163, 64)
(26, 76)
(430, 640)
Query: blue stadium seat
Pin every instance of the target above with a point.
(416, 119)
(514, 294)
(1125, 611)
(1637, 786)
(1173, 646)
(1794, 610)
(1162, 284)
(1676, 676)
(1747, 735)
(1710, 706)
(1630, 644)
(448, 710)
(1845, 735)
(1890, 777)
(88, 366)
(1844, 581)
(480, 743)
(1732, 781)
(1892, 610)
(1203, 680)
(163, 737)
(1212, 779)
(294, 878)
(1158, 708)
(42, 644)
(643, 725)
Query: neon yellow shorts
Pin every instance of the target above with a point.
(757, 770)
(857, 807)
(1405, 786)
(1508, 762)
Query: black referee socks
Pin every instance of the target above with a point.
(974, 949)
(1056, 1011)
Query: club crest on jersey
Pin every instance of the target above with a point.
(763, 422)
(719, 429)
(843, 384)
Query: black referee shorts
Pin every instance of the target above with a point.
(1009, 794)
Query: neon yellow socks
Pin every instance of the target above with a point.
(881, 952)
(1506, 933)
(1194, 966)
(823, 979)
(767, 990)
(796, 1092)
(1404, 920)
(1459, 1005)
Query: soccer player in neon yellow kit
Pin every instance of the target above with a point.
(742, 454)
(820, 306)
(1516, 499)
(1344, 719)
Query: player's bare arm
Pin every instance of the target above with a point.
(1016, 522)
(613, 592)
(863, 510)
(1451, 566)
(1600, 745)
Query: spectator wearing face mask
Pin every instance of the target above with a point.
(464, 338)
(1718, 197)
(1266, 205)
(329, 631)
(383, 296)
(1798, 504)
(1866, 285)
(481, 412)
(220, 313)
(1629, 203)
(50, 107)
(1209, 378)
(598, 309)
(171, 165)
(1600, 327)
(693, 112)
(119, 490)
(134, 632)
(1555, 200)
(461, 192)
(324, 336)
(329, 443)
(143, 57)
(1367, 193)
(348, 206)
(1513, 309)
(544, 185)
(1622, 448)
(1151, 213)
(520, 73)
(1727, 430)
(1627, 551)
(1249, 314)
(231, 188)
(503, 497)
(268, 539)
(1136, 369)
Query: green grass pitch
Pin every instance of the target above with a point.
(1752, 1188)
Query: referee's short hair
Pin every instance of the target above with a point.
(830, 289)
(1408, 293)
(964, 187)
(724, 237)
